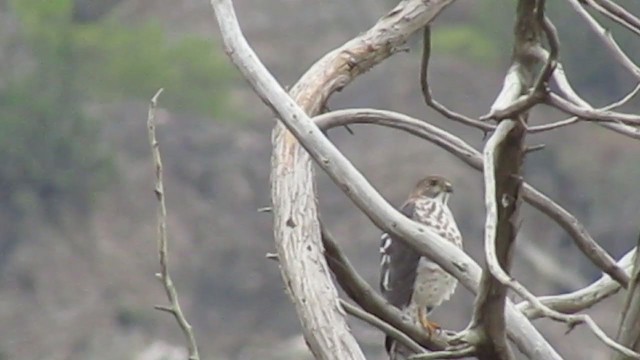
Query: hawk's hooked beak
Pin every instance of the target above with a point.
(448, 188)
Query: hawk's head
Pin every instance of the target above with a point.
(435, 187)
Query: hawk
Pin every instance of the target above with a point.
(409, 281)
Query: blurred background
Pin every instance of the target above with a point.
(77, 211)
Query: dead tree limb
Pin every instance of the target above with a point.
(296, 227)
(163, 243)
(573, 302)
(503, 157)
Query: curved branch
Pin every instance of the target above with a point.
(471, 156)
(590, 114)
(560, 77)
(584, 298)
(574, 119)
(426, 89)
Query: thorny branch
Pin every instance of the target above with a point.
(164, 276)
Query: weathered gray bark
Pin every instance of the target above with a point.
(296, 227)
(503, 159)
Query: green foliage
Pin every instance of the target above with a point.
(134, 63)
(53, 154)
(464, 41)
(47, 160)
(133, 316)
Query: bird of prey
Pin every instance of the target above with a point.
(409, 281)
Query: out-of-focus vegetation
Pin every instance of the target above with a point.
(52, 153)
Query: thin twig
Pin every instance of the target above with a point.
(574, 119)
(605, 36)
(592, 114)
(561, 80)
(616, 13)
(428, 97)
(382, 326)
(163, 252)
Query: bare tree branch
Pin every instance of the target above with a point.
(570, 320)
(582, 299)
(503, 158)
(469, 155)
(164, 275)
(426, 89)
(296, 230)
(574, 119)
(629, 330)
(590, 114)
(502, 161)
(560, 78)
(606, 37)
(616, 13)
